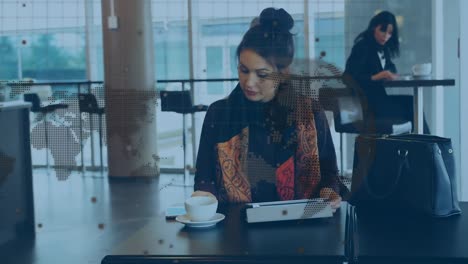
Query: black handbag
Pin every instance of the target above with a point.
(409, 173)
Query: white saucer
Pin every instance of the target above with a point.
(184, 219)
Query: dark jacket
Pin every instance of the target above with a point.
(226, 119)
(361, 65)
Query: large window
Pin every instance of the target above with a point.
(62, 40)
(56, 56)
(171, 39)
(42, 40)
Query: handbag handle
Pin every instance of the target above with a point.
(403, 160)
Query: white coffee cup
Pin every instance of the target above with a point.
(422, 69)
(201, 208)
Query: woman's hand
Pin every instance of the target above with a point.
(331, 196)
(202, 193)
(384, 75)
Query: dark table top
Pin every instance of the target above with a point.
(419, 83)
(234, 240)
(399, 239)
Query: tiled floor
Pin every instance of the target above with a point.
(84, 218)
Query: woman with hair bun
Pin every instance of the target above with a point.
(264, 142)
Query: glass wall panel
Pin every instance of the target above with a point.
(8, 58)
(45, 41)
(54, 56)
(171, 50)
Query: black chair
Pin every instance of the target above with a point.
(45, 110)
(180, 102)
(88, 104)
(350, 116)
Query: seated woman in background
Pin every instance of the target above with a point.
(371, 61)
(265, 142)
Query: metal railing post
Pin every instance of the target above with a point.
(83, 169)
(184, 144)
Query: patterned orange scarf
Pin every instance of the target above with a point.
(297, 178)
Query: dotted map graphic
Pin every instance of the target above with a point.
(63, 125)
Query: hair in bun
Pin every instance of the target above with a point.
(276, 19)
(269, 36)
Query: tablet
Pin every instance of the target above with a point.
(288, 210)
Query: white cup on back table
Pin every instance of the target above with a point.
(423, 69)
